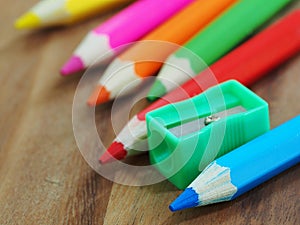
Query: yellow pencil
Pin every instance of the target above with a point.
(62, 12)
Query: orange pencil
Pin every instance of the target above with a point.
(179, 29)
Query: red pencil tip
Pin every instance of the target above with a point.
(74, 65)
(115, 152)
(100, 95)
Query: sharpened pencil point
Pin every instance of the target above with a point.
(188, 199)
(156, 91)
(73, 65)
(115, 152)
(29, 20)
(100, 95)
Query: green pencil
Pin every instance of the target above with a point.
(223, 34)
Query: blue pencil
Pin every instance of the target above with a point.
(244, 168)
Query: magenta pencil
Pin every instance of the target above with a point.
(128, 26)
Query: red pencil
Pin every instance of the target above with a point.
(247, 63)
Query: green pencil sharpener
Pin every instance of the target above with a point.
(186, 136)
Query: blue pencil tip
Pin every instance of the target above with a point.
(188, 199)
(172, 208)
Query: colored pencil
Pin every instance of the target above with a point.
(243, 169)
(127, 26)
(179, 29)
(62, 12)
(210, 44)
(247, 63)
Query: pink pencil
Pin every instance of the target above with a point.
(127, 26)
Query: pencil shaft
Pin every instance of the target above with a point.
(263, 158)
(138, 19)
(233, 26)
(238, 22)
(178, 29)
(61, 12)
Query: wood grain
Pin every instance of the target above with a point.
(45, 180)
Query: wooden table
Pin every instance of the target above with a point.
(45, 180)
